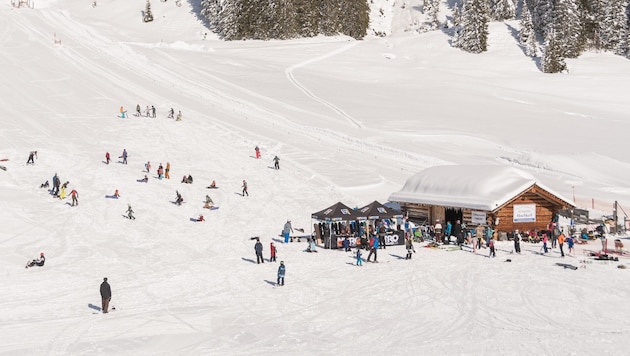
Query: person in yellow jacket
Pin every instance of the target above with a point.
(62, 195)
(561, 239)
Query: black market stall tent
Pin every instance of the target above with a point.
(376, 211)
(336, 213)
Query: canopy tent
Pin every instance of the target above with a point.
(336, 212)
(377, 211)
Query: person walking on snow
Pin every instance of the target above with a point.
(359, 259)
(171, 114)
(545, 240)
(75, 197)
(245, 192)
(258, 247)
(276, 162)
(123, 113)
(168, 169)
(272, 248)
(257, 150)
(561, 239)
(106, 295)
(281, 272)
(31, 157)
(107, 158)
(130, 213)
(287, 230)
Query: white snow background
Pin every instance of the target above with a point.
(351, 121)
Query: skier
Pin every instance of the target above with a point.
(276, 162)
(171, 113)
(107, 158)
(75, 197)
(106, 295)
(124, 156)
(272, 248)
(258, 247)
(257, 150)
(138, 110)
(168, 169)
(409, 246)
(245, 192)
(147, 166)
(178, 200)
(287, 230)
(31, 157)
(281, 272)
(123, 113)
(153, 111)
(359, 259)
(517, 242)
(130, 213)
(37, 262)
(179, 116)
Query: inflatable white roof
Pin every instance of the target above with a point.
(482, 187)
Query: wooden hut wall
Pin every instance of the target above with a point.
(544, 213)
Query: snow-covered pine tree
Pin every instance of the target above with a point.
(473, 31)
(552, 61)
(502, 10)
(231, 21)
(613, 23)
(330, 24)
(148, 15)
(355, 18)
(431, 8)
(542, 16)
(567, 28)
(527, 37)
(211, 9)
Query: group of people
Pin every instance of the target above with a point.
(59, 190)
(151, 112)
(276, 159)
(258, 249)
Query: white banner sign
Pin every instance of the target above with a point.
(478, 218)
(524, 212)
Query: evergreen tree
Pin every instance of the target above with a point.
(211, 9)
(355, 18)
(567, 28)
(231, 20)
(502, 10)
(553, 61)
(432, 9)
(473, 32)
(542, 16)
(527, 37)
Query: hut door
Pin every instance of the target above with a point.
(452, 215)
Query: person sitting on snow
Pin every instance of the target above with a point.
(212, 185)
(45, 185)
(178, 200)
(200, 218)
(209, 203)
(37, 262)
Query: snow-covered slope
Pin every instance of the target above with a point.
(351, 121)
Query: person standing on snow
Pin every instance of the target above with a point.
(409, 247)
(272, 248)
(257, 150)
(106, 295)
(124, 156)
(138, 110)
(374, 247)
(179, 116)
(75, 197)
(147, 112)
(130, 213)
(561, 239)
(281, 271)
(448, 230)
(245, 192)
(168, 169)
(437, 230)
(123, 113)
(258, 247)
(31, 157)
(492, 250)
(153, 111)
(287, 230)
(359, 259)
(56, 183)
(276, 162)
(107, 158)
(517, 242)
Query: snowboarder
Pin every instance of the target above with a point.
(130, 213)
(272, 248)
(171, 114)
(200, 218)
(106, 295)
(124, 156)
(116, 194)
(31, 157)
(258, 247)
(144, 180)
(62, 194)
(281, 272)
(409, 247)
(359, 259)
(37, 262)
(276, 162)
(517, 242)
(179, 116)
(75, 197)
(245, 192)
(168, 169)
(287, 230)
(147, 166)
(107, 158)
(187, 180)
(138, 110)
(123, 113)
(45, 185)
(257, 150)
(178, 199)
(447, 232)
(212, 185)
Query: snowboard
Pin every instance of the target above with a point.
(566, 265)
(3, 159)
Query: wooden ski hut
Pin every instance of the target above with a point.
(503, 197)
